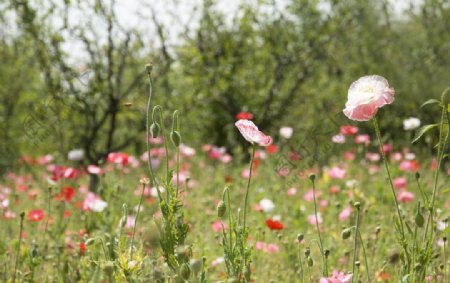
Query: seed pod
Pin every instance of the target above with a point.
(176, 138)
(221, 209)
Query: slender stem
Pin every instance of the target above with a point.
(445, 262)
(365, 257)
(440, 156)
(177, 152)
(22, 216)
(324, 261)
(355, 246)
(150, 168)
(301, 263)
(166, 149)
(248, 184)
(229, 217)
(135, 220)
(48, 213)
(386, 165)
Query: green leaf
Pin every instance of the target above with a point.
(422, 131)
(2, 247)
(430, 101)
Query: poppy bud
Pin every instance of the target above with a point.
(154, 129)
(419, 220)
(357, 204)
(221, 209)
(300, 237)
(312, 177)
(346, 233)
(417, 175)
(307, 252)
(176, 138)
(185, 271)
(149, 68)
(310, 261)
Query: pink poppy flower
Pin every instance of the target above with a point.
(312, 219)
(35, 215)
(400, 183)
(337, 277)
(292, 191)
(218, 226)
(336, 173)
(260, 245)
(272, 248)
(372, 156)
(405, 197)
(345, 214)
(94, 169)
(362, 139)
(366, 95)
(251, 133)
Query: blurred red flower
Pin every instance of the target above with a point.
(271, 149)
(66, 194)
(244, 115)
(274, 224)
(35, 215)
(348, 130)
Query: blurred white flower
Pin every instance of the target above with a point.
(267, 205)
(286, 132)
(76, 154)
(98, 205)
(339, 138)
(411, 124)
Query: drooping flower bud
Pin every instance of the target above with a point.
(310, 261)
(312, 177)
(155, 129)
(176, 138)
(419, 220)
(221, 209)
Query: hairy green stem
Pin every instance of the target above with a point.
(22, 217)
(324, 261)
(135, 221)
(248, 185)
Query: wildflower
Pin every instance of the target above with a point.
(340, 138)
(94, 169)
(274, 224)
(366, 96)
(337, 277)
(271, 149)
(411, 124)
(118, 158)
(244, 116)
(94, 203)
(312, 219)
(66, 194)
(345, 214)
(348, 130)
(75, 155)
(400, 183)
(286, 132)
(218, 226)
(267, 205)
(251, 133)
(36, 215)
(337, 173)
(405, 197)
(362, 139)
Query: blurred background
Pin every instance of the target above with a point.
(72, 72)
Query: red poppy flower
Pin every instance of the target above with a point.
(35, 215)
(244, 115)
(118, 158)
(271, 149)
(274, 224)
(349, 130)
(66, 194)
(82, 248)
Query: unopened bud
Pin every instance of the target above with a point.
(357, 204)
(154, 129)
(221, 209)
(310, 261)
(149, 68)
(346, 233)
(312, 177)
(300, 237)
(176, 138)
(419, 220)
(417, 175)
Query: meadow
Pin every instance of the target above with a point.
(183, 214)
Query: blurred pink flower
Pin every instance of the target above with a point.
(251, 133)
(362, 139)
(337, 277)
(400, 183)
(94, 169)
(337, 173)
(291, 191)
(404, 196)
(372, 156)
(272, 248)
(245, 173)
(345, 214)
(218, 226)
(366, 95)
(312, 219)
(309, 196)
(349, 156)
(409, 165)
